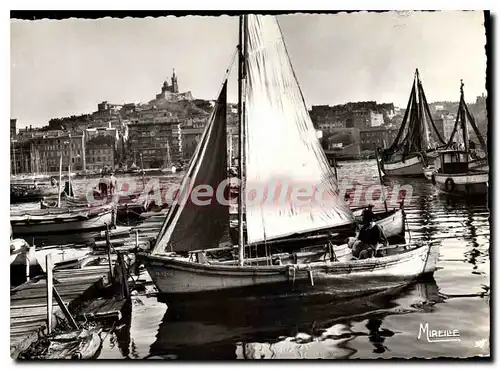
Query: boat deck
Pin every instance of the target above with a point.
(28, 302)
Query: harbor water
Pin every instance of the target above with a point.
(392, 324)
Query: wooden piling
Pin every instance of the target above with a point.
(108, 245)
(27, 259)
(50, 286)
(64, 309)
(380, 179)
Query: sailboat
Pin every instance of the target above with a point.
(52, 219)
(453, 173)
(414, 145)
(168, 166)
(277, 144)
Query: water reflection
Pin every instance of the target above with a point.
(377, 335)
(243, 329)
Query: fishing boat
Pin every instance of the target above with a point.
(414, 145)
(168, 166)
(18, 246)
(454, 177)
(453, 173)
(269, 99)
(61, 220)
(428, 170)
(21, 193)
(133, 169)
(25, 259)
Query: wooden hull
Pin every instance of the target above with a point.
(411, 167)
(466, 184)
(428, 171)
(32, 196)
(69, 225)
(479, 165)
(37, 262)
(50, 190)
(185, 279)
(58, 255)
(392, 222)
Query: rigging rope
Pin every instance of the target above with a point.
(428, 113)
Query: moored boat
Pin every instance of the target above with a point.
(414, 147)
(455, 172)
(479, 164)
(410, 166)
(20, 193)
(174, 276)
(29, 261)
(428, 170)
(453, 176)
(468, 184)
(271, 96)
(61, 220)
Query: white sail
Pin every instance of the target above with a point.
(281, 144)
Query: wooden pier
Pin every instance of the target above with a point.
(141, 236)
(28, 302)
(78, 288)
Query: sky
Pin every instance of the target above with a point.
(61, 68)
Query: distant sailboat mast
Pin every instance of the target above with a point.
(462, 118)
(241, 135)
(168, 159)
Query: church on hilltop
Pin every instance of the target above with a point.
(171, 93)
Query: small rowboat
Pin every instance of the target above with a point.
(428, 170)
(61, 220)
(25, 193)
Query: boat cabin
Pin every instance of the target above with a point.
(452, 161)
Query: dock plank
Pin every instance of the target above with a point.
(28, 311)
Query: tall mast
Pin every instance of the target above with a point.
(462, 117)
(14, 154)
(418, 110)
(241, 135)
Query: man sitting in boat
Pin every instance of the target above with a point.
(53, 182)
(46, 205)
(68, 190)
(369, 237)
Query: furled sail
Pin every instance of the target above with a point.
(415, 134)
(283, 154)
(464, 115)
(190, 225)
